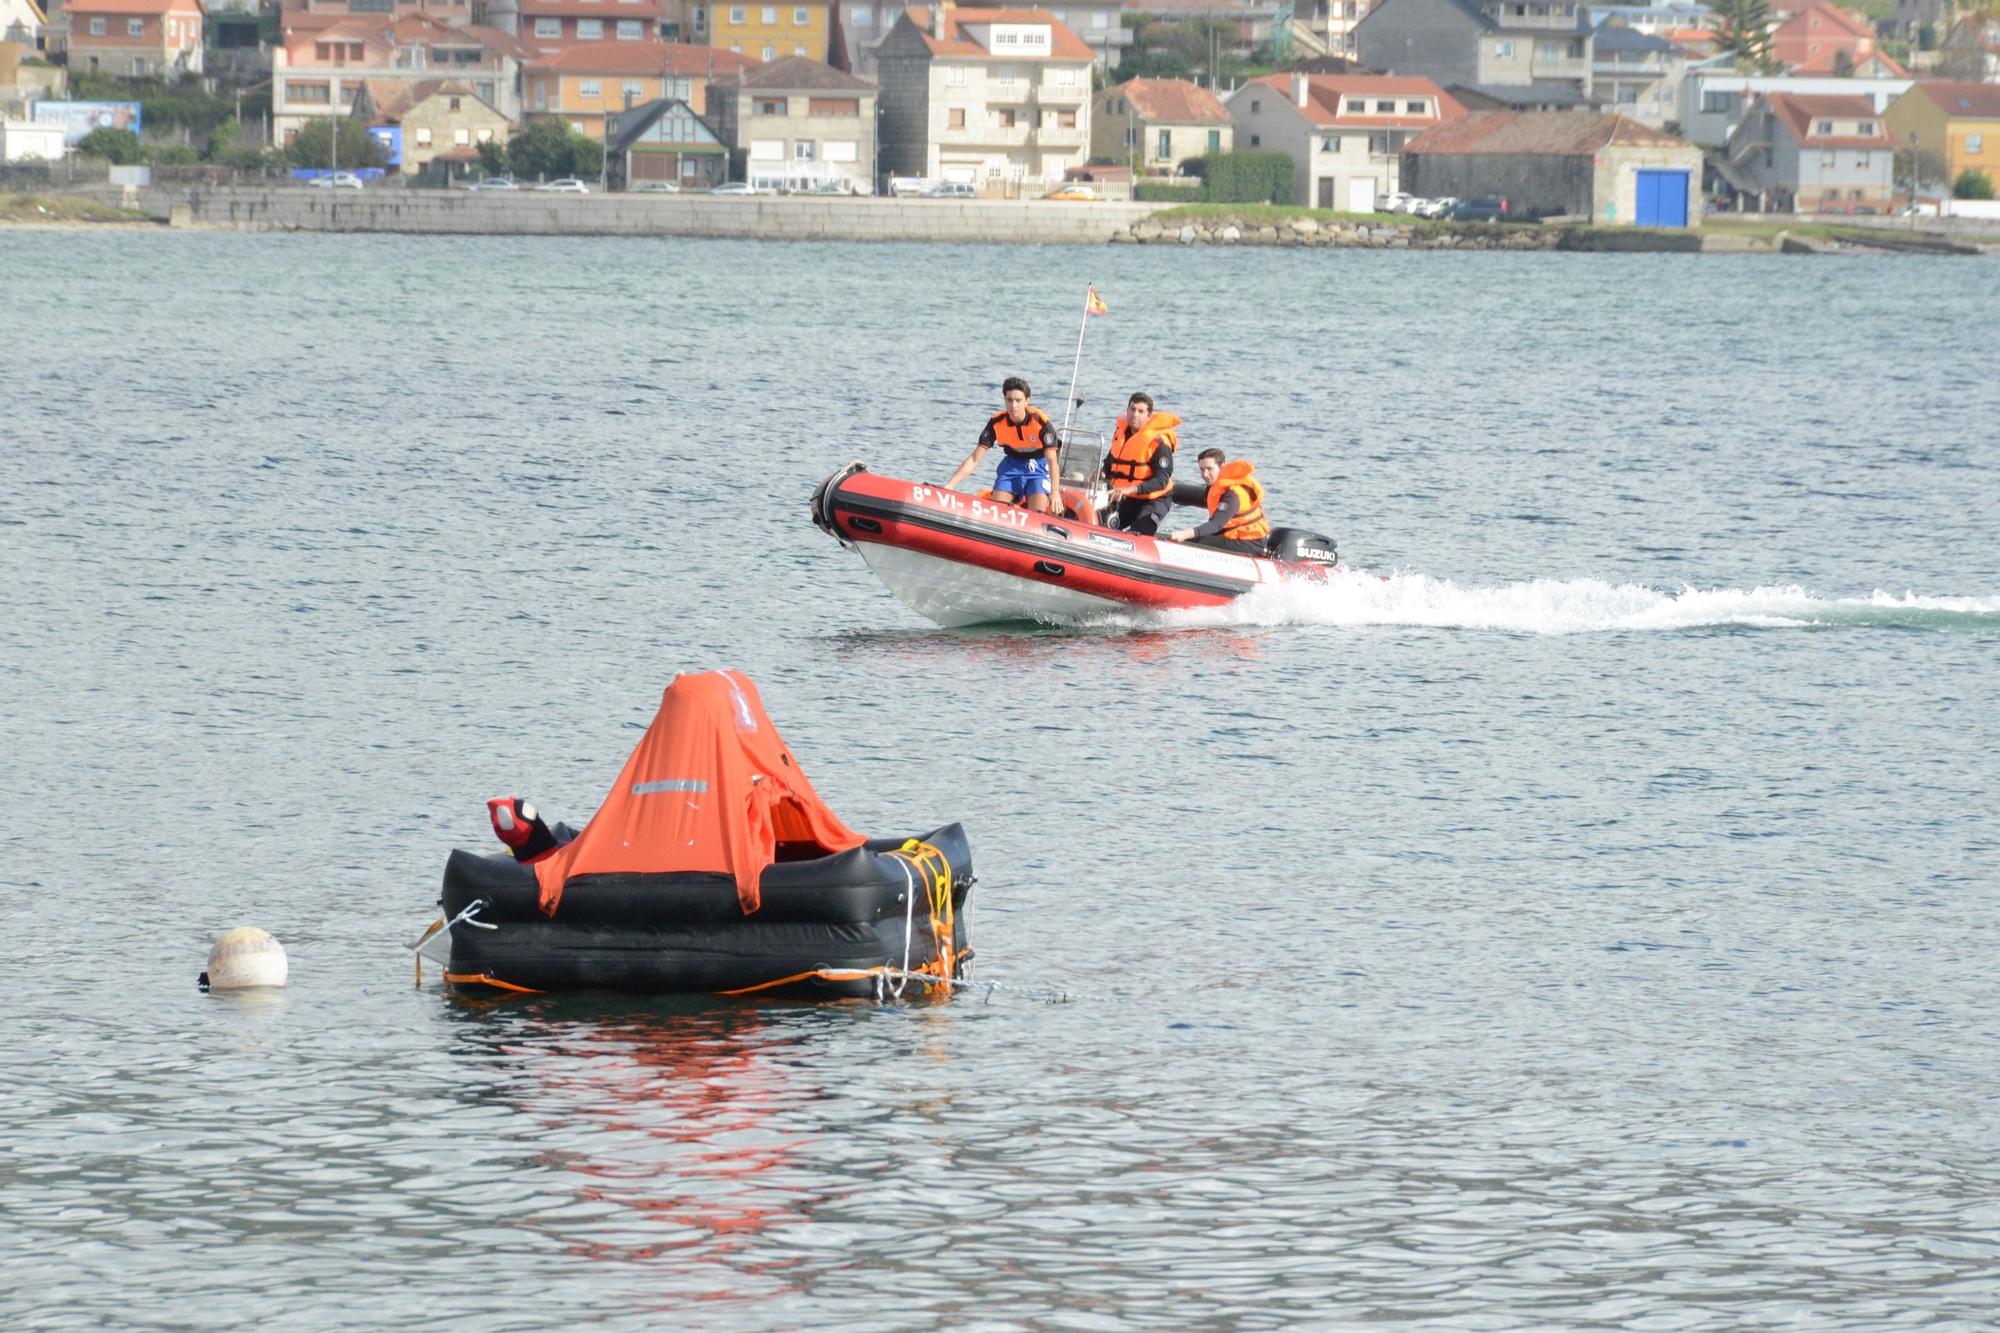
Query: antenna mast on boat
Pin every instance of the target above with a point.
(1093, 304)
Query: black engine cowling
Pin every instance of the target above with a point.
(1300, 545)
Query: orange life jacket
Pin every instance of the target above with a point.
(1249, 523)
(1024, 440)
(1132, 453)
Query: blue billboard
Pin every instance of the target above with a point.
(80, 118)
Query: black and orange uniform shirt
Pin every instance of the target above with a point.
(1026, 440)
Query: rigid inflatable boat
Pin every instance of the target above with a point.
(963, 560)
(711, 866)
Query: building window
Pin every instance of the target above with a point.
(1256, 107)
(1004, 117)
(770, 53)
(1550, 50)
(423, 136)
(833, 106)
(1503, 50)
(135, 27)
(1066, 120)
(1256, 140)
(955, 118)
(1867, 129)
(798, 50)
(1387, 108)
(737, 14)
(802, 18)
(307, 92)
(770, 106)
(803, 150)
(484, 136)
(1861, 161)
(1975, 143)
(461, 138)
(770, 16)
(548, 27)
(955, 76)
(1066, 77)
(1215, 141)
(591, 88)
(97, 27)
(633, 90)
(630, 30)
(1330, 144)
(864, 16)
(1826, 161)
(1413, 108)
(701, 18)
(1164, 145)
(1100, 19)
(590, 30)
(1826, 127)
(454, 104)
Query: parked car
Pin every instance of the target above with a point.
(951, 190)
(908, 186)
(1436, 208)
(656, 187)
(1483, 208)
(736, 187)
(338, 180)
(493, 183)
(567, 185)
(1073, 194)
(1396, 202)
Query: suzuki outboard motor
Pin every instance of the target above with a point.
(1300, 545)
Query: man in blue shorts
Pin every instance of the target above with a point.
(1030, 460)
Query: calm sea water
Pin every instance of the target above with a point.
(1589, 926)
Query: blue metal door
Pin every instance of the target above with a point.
(1663, 199)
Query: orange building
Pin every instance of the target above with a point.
(585, 82)
(142, 38)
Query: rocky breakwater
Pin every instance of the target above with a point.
(1230, 229)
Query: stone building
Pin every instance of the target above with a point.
(1595, 165)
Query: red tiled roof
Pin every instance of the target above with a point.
(1324, 91)
(1174, 100)
(1956, 98)
(1063, 44)
(1799, 111)
(796, 74)
(592, 9)
(656, 58)
(1854, 24)
(1538, 133)
(1829, 65)
(129, 6)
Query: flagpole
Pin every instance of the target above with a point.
(1069, 408)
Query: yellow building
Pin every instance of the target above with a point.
(765, 31)
(590, 80)
(1954, 127)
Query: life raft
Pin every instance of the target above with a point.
(712, 865)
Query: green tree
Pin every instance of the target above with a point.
(493, 157)
(223, 140)
(541, 149)
(313, 145)
(1972, 184)
(586, 155)
(121, 148)
(176, 155)
(1742, 29)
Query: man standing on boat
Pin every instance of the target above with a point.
(1141, 469)
(1236, 519)
(1030, 454)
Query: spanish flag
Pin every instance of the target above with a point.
(1094, 304)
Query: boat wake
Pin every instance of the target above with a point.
(1572, 606)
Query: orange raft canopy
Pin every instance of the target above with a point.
(711, 787)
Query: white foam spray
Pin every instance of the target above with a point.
(1571, 606)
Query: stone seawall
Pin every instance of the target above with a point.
(776, 218)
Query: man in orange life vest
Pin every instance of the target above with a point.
(1141, 468)
(1235, 507)
(1030, 461)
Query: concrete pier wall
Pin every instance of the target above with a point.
(781, 217)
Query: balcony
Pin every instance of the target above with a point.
(1061, 136)
(985, 136)
(1049, 94)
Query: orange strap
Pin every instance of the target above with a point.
(488, 979)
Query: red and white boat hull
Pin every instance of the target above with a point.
(959, 560)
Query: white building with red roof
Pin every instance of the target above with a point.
(551, 25)
(1157, 124)
(992, 98)
(1825, 154)
(1345, 132)
(321, 61)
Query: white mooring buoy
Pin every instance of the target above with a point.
(245, 958)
